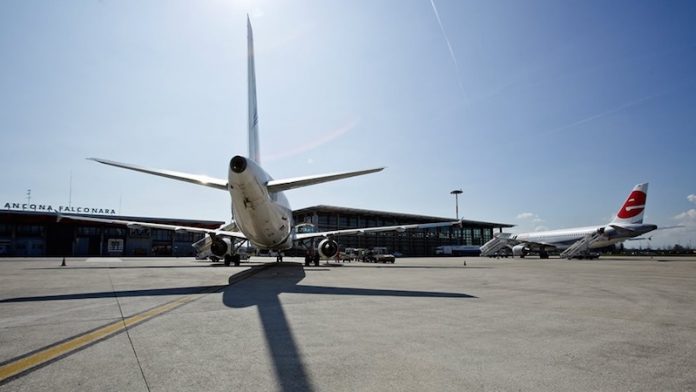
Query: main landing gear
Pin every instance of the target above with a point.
(279, 258)
(235, 259)
(308, 259)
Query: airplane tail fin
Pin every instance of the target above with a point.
(254, 153)
(634, 206)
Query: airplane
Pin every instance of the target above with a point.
(578, 241)
(261, 213)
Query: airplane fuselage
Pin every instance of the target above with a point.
(563, 238)
(265, 218)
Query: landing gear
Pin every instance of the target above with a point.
(235, 259)
(307, 260)
(543, 254)
(279, 258)
(316, 259)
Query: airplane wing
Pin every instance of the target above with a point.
(192, 178)
(137, 225)
(670, 227)
(538, 244)
(400, 228)
(297, 182)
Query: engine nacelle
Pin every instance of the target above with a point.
(519, 251)
(327, 248)
(220, 246)
(608, 231)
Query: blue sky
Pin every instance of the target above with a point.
(545, 113)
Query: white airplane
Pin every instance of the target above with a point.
(261, 213)
(578, 241)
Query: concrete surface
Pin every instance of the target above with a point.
(422, 324)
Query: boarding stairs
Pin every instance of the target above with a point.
(499, 241)
(581, 246)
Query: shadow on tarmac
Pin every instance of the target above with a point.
(120, 294)
(262, 290)
(416, 266)
(209, 265)
(284, 278)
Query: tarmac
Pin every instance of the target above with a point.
(444, 324)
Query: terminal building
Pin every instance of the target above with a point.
(409, 243)
(37, 234)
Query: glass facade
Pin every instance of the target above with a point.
(417, 243)
(32, 234)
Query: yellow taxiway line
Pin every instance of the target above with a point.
(46, 355)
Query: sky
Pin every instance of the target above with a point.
(544, 113)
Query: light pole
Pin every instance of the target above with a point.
(456, 194)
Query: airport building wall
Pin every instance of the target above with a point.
(410, 243)
(38, 234)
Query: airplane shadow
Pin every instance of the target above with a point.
(284, 278)
(211, 265)
(262, 290)
(120, 294)
(415, 266)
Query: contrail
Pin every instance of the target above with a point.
(449, 46)
(603, 114)
(620, 108)
(325, 138)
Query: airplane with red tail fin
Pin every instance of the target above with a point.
(578, 242)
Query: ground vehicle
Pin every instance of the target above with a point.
(351, 254)
(378, 254)
(206, 253)
(457, 250)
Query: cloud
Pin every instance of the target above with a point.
(529, 216)
(687, 218)
(691, 198)
(525, 215)
(541, 228)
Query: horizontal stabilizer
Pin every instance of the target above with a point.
(298, 182)
(624, 231)
(192, 178)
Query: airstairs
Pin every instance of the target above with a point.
(581, 246)
(499, 241)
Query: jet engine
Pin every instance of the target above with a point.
(327, 248)
(608, 231)
(220, 246)
(519, 251)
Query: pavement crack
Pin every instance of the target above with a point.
(125, 327)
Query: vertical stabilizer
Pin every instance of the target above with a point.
(254, 153)
(634, 206)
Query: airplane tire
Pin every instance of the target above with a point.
(237, 260)
(228, 260)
